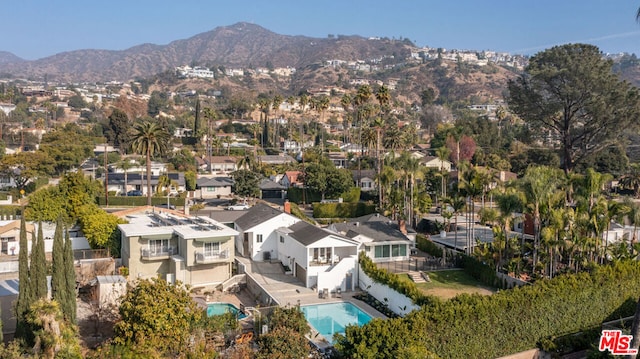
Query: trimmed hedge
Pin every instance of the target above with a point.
(295, 195)
(475, 326)
(480, 271)
(135, 201)
(342, 210)
(426, 245)
(392, 280)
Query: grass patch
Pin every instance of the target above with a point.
(449, 283)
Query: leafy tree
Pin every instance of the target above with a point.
(76, 102)
(289, 317)
(38, 266)
(69, 307)
(78, 193)
(99, 227)
(46, 204)
(282, 343)
(157, 102)
(570, 91)
(327, 180)
(245, 183)
(67, 147)
(118, 129)
(149, 139)
(190, 180)
(183, 160)
(153, 309)
(24, 167)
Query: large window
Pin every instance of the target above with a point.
(211, 249)
(382, 251)
(158, 246)
(399, 250)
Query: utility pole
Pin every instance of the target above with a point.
(106, 177)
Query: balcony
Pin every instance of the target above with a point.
(212, 257)
(157, 253)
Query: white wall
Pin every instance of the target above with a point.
(397, 302)
(292, 249)
(269, 236)
(336, 277)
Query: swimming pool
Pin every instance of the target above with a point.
(328, 319)
(221, 308)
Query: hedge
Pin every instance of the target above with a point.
(135, 201)
(342, 210)
(295, 195)
(394, 282)
(426, 245)
(475, 326)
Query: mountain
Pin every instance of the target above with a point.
(7, 57)
(239, 45)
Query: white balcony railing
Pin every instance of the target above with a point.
(157, 252)
(211, 257)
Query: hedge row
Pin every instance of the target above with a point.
(481, 272)
(394, 282)
(426, 245)
(295, 195)
(342, 210)
(135, 201)
(475, 326)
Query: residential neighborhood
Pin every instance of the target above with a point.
(246, 194)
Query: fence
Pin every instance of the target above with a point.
(414, 265)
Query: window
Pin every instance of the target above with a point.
(281, 239)
(211, 249)
(399, 250)
(259, 238)
(382, 251)
(158, 246)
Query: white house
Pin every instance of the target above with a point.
(318, 257)
(257, 238)
(435, 162)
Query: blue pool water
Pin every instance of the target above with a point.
(328, 319)
(221, 308)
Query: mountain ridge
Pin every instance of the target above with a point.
(241, 44)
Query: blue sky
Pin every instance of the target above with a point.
(34, 29)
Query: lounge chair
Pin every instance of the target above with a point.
(325, 293)
(339, 292)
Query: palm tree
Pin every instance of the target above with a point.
(126, 165)
(443, 153)
(631, 180)
(539, 183)
(149, 139)
(383, 97)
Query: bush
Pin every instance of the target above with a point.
(475, 326)
(342, 210)
(426, 245)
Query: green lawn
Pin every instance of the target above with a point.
(449, 283)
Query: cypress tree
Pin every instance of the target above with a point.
(58, 277)
(24, 290)
(70, 276)
(39, 267)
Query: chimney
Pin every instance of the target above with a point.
(402, 226)
(287, 206)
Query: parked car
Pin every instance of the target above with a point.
(238, 207)
(134, 192)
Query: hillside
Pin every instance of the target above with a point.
(242, 44)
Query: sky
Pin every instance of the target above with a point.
(33, 29)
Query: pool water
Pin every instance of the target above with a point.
(328, 319)
(221, 308)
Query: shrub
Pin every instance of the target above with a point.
(426, 245)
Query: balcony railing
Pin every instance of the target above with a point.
(212, 257)
(157, 253)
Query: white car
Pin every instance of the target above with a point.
(238, 207)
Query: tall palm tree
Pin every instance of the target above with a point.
(539, 184)
(125, 165)
(149, 139)
(384, 98)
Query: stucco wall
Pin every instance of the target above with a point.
(397, 302)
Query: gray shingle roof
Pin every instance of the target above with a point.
(256, 215)
(307, 234)
(377, 231)
(214, 182)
